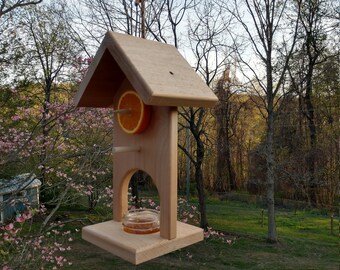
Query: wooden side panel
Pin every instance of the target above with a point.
(101, 82)
(157, 157)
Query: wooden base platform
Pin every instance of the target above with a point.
(136, 248)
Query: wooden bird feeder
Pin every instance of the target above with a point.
(163, 80)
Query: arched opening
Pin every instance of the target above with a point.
(163, 176)
(143, 192)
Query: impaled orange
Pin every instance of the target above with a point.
(137, 119)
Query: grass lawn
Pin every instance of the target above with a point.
(305, 242)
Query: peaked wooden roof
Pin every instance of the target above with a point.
(157, 71)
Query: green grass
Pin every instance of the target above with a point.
(305, 242)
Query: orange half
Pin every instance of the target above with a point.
(137, 119)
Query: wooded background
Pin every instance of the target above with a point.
(274, 65)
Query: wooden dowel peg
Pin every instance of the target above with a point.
(124, 149)
(122, 111)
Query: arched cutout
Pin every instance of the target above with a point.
(141, 188)
(167, 198)
(122, 192)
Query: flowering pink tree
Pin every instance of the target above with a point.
(23, 247)
(78, 166)
(41, 132)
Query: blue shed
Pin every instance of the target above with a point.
(16, 193)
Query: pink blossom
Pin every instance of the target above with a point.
(151, 203)
(59, 260)
(7, 237)
(9, 227)
(27, 215)
(6, 268)
(15, 117)
(20, 219)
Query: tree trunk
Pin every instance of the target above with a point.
(45, 133)
(187, 163)
(195, 119)
(44, 126)
(225, 174)
(200, 184)
(312, 183)
(272, 235)
(222, 172)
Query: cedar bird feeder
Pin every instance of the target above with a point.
(144, 82)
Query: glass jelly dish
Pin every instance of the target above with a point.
(141, 221)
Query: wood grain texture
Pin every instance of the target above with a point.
(157, 157)
(158, 72)
(139, 248)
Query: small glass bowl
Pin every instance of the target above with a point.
(141, 221)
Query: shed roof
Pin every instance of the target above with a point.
(20, 182)
(157, 71)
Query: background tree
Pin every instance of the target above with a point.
(263, 27)
(312, 45)
(9, 13)
(49, 51)
(205, 34)
(226, 115)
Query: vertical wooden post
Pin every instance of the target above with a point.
(168, 188)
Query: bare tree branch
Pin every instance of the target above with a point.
(8, 6)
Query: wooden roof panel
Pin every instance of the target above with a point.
(157, 71)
